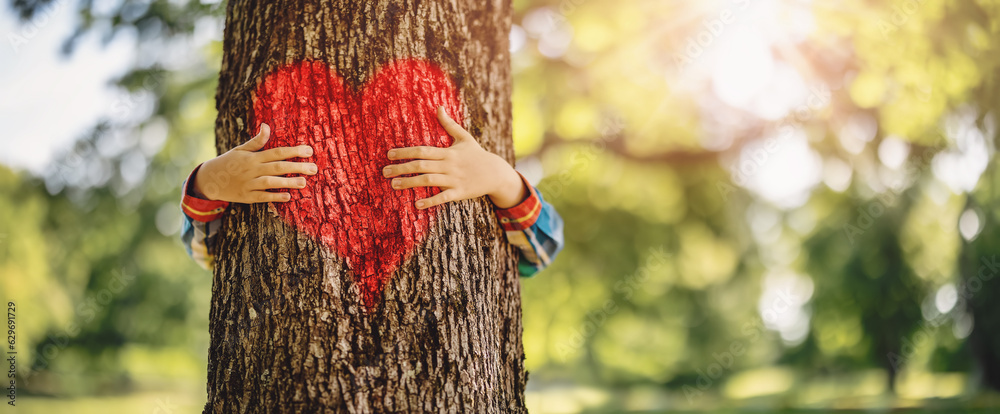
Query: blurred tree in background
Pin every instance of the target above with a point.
(782, 202)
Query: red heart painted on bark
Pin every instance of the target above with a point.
(349, 206)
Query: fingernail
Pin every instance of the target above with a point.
(313, 169)
(309, 151)
(420, 204)
(392, 153)
(386, 171)
(395, 183)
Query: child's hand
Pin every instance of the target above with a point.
(242, 175)
(463, 171)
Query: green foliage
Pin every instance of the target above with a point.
(674, 268)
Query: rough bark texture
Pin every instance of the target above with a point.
(289, 329)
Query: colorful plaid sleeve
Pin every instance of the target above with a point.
(201, 223)
(535, 228)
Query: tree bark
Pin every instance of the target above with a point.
(289, 329)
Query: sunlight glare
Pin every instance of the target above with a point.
(743, 68)
(786, 174)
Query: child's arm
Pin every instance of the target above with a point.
(201, 223)
(536, 228)
(241, 175)
(462, 171)
(465, 170)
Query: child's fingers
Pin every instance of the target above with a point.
(453, 128)
(284, 153)
(422, 153)
(269, 197)
(445, 196)
(258, 141)
(287, 167)
(271, 182)
(413, 167)
(423, 180)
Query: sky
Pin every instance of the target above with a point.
(48, 100)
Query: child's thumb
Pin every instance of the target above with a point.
(451, 127)
(258, 141)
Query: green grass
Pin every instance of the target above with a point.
(192, 400)
(146, 403)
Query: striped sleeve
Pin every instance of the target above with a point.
(202, 219)
(535, 228)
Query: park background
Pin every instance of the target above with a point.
(769, 204)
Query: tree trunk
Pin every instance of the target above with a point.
(330, 316)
